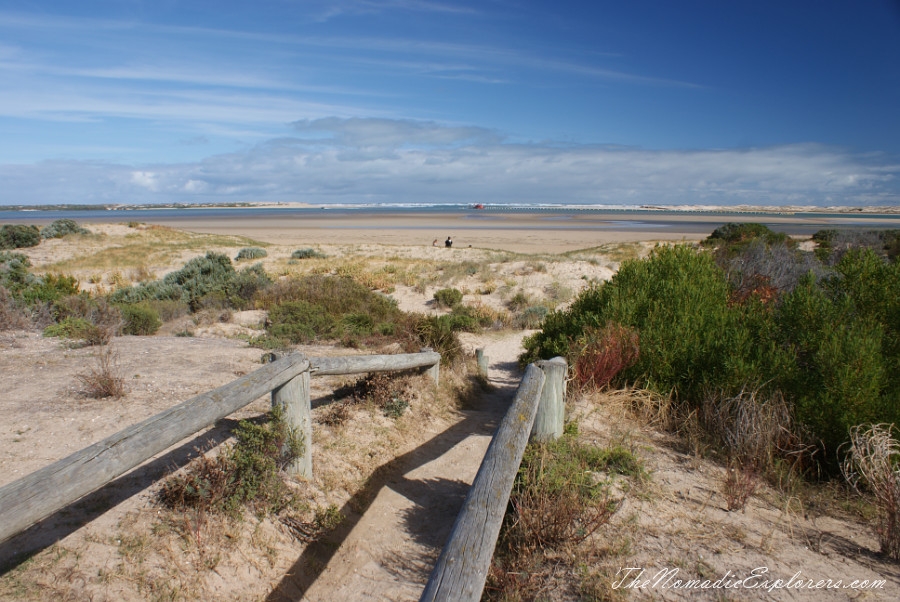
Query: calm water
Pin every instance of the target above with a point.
(491, 217)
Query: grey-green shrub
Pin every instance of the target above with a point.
(307, 254)
(63, 227)
(250, 253)
(17, 236)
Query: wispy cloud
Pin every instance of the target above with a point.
(372, 160)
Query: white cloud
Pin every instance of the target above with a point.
(379, 160)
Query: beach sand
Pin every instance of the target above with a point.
(520, 232)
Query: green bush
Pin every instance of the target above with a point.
(63, 227)
(16, 236)
(76, 329)
(49, 288)
(307, 254)
(251, 253)
(448, 297)
(300, 322)
(140, 320)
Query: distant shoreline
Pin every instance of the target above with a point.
(511, 228)
(717, 209)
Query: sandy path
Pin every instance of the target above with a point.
(388, 552)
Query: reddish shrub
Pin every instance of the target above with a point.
(603, 354)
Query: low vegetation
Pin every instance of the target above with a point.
(560, 498)
(245, 473)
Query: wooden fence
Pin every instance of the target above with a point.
(40, 494)
(538, 411)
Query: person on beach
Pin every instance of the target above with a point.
(434, 243)
(448, 243)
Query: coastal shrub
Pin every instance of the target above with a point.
(833, 243)
(828, 342)
(17, 236)
(250, 253)
(140, 320)
(63, 227)
(204, 282)
(49, 288)
(243, 288)
(307, 254)
(768, 271)
(438, 333)
(448, 297)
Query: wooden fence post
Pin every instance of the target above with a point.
(435, 371)
(293, 399)
(551, 413)
(482, 360)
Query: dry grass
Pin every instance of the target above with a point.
(738, 484)
(871, 464)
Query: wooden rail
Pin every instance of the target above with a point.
(462, 567)
(40, 494)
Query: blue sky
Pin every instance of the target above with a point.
(407, 101)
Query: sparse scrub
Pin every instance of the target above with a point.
(103, 379)
(11, 315)
(738, 485)
(871, 465)
(249, 253)
(559, 499)
(389, 393)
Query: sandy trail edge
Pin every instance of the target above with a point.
(388, 552)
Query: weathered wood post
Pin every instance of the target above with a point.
(293, 399)
(435, 371)
(482, 360)
(551, 413)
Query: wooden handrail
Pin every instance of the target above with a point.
(463, 565)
